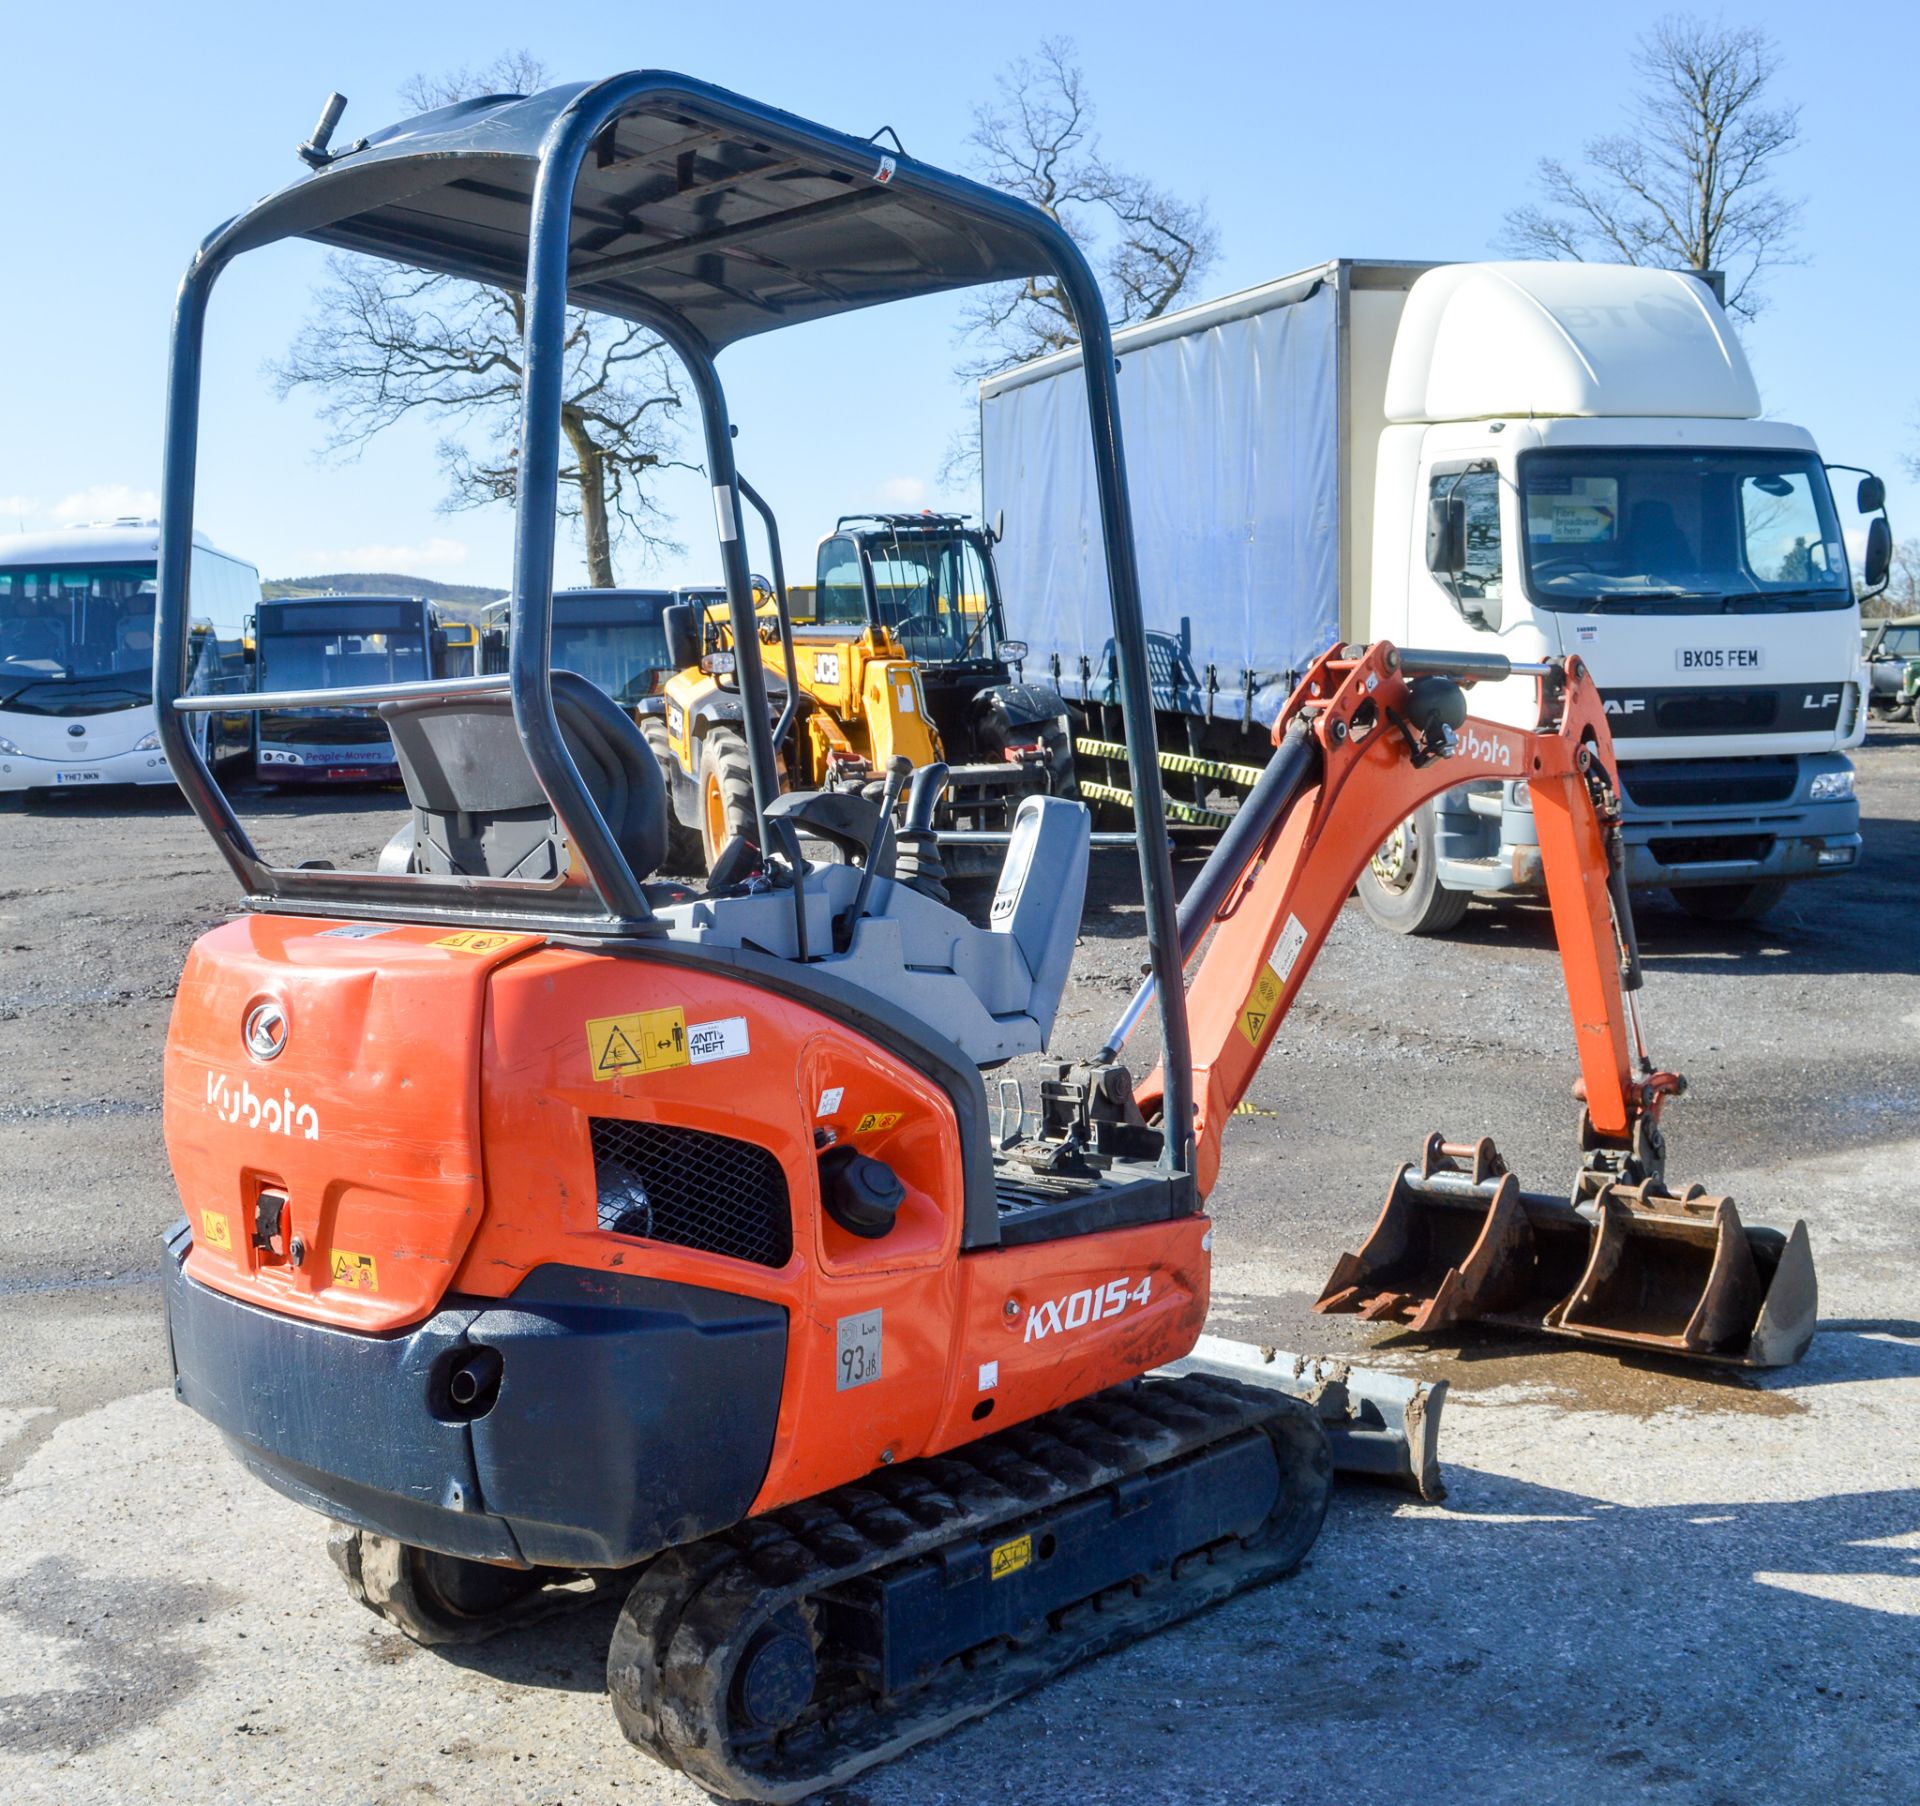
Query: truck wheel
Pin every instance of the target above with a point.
(683, 844)
(1730, 902)
(726, 791)
(1401, 888)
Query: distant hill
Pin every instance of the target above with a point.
(381, 583)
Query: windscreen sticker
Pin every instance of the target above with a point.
(218, 1234)
(644, 1041)
(722, 1040)
(474, 940)
(830, 1100)
(355, 1270)
(876, 1120)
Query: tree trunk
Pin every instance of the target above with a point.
(592, 479)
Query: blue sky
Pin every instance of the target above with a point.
(1312, 131)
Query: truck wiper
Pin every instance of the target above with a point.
(1633, 596)
(1783, 597)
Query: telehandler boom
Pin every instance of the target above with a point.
(546, 1223)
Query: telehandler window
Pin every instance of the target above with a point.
(842, 593)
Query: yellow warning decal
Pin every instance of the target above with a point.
(218, 1234)
(876, 1120)
(1011, 1557)
(646, 1041)
(1257, 1011)
(474, 940)
(356, 1270)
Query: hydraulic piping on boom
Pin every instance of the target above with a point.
(1622, 1258)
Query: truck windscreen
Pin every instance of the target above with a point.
(64, 622)
(624, 651)
(1683, 532)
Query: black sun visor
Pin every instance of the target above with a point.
(736, 217)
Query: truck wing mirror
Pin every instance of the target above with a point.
(684, 648)
(1872, 495)
(1447, 535)
(1878, 564)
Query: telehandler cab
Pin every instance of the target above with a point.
(903, 653)
(547, 1225)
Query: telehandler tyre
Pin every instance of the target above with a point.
(1401, 889)
(683, 843)
(726, 791)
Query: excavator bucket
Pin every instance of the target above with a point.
(1684, 1276)
(1459, 1244)
(1633, 1267)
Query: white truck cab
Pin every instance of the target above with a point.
(1599, 428)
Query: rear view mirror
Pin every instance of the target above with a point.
(999, 528)
(1878, 564)
(1013, 651)
(682, 635)
(1447, 535)
(1872, 495)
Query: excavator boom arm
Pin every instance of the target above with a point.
(1389, 732)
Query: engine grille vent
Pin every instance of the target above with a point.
(692, 1189)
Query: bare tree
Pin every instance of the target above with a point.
(1691, 182)
(385, 342)
(1036, 140)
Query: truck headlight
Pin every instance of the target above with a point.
(1831, 787)
(148, 743)
(9, 750)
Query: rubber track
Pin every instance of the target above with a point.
(676, 1647)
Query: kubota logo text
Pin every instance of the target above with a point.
(1484, 749)
(1090, 1305)
(277, 1115)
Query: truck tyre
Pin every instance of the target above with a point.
(1730, 902)
(683, 843)
(726, 791)
(1401, 888)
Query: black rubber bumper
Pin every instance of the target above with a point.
(631, 1414)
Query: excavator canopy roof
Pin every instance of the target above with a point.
(736, 217)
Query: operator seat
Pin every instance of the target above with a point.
(478, 810)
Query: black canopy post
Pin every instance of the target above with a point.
(536, 509)
(1136, 699)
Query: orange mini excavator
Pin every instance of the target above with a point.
(546, 1223)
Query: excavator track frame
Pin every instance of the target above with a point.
(1063, 1538)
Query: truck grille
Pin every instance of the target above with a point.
(1712, 849)
(691, 1189)
(1723, 783)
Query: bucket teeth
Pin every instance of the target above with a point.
(1634, 1267)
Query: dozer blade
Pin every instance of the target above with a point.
(1684, 1276)
(1633, 1267)
(1460, 1244)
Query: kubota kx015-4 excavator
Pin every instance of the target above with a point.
(545, 1224)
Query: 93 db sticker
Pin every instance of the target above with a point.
(857, 1351)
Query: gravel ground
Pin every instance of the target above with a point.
(1647, 1583)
